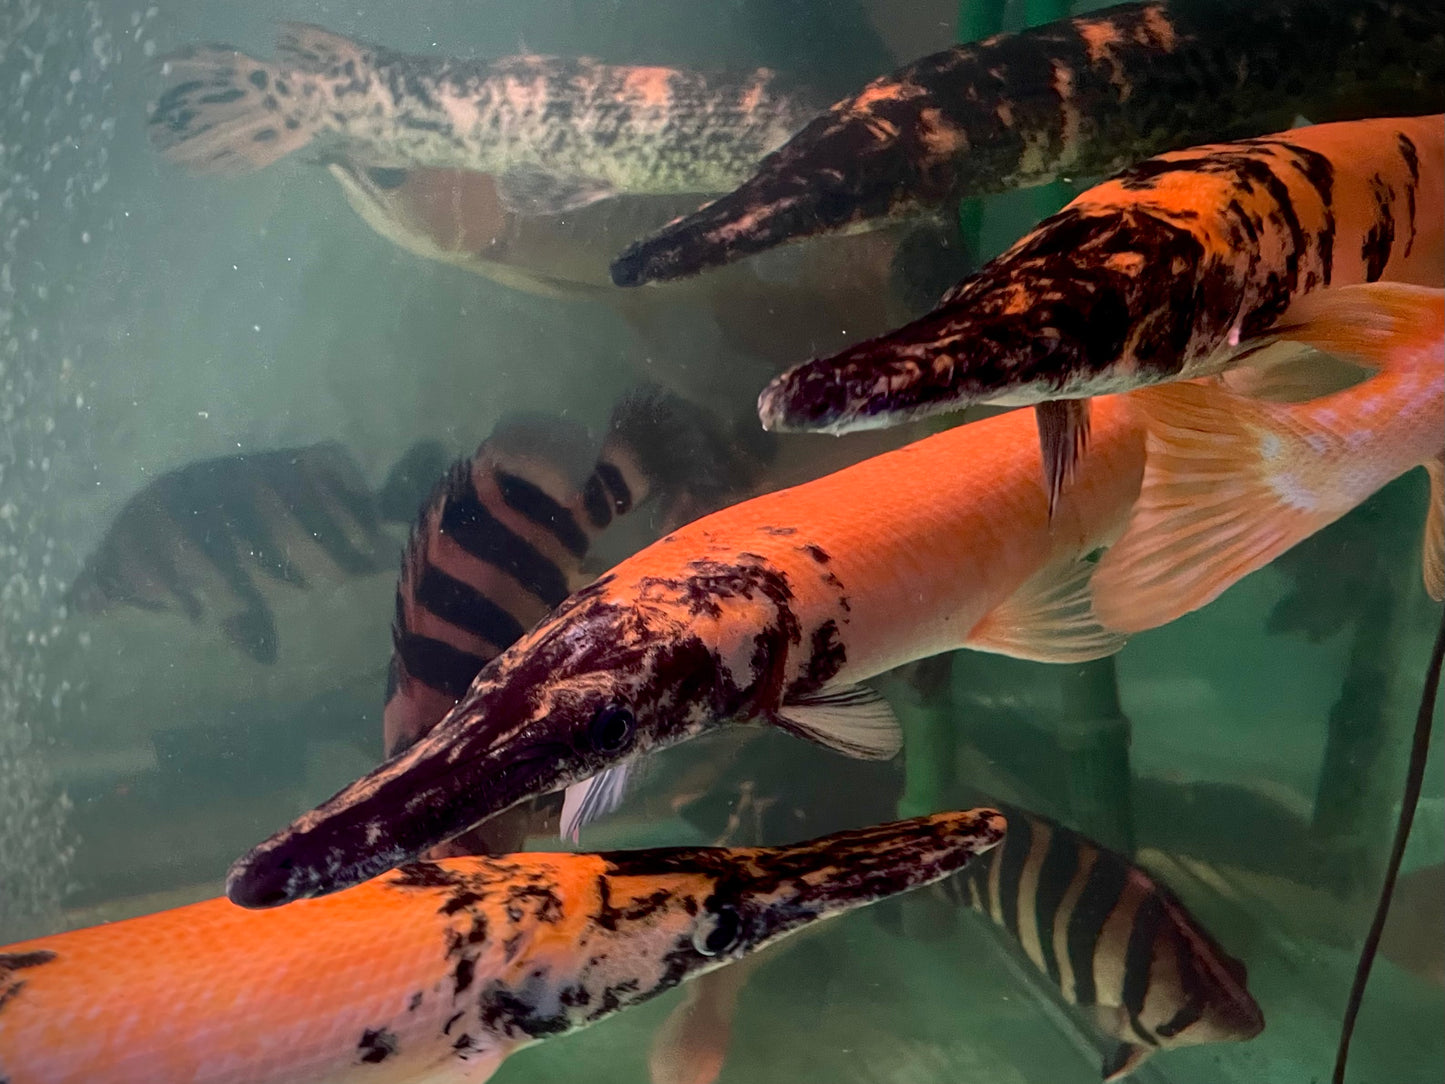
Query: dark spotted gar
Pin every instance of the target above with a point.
(194, 539)
(1115, 941)
(771, 610)
(1079, 97)
(502, 539)
(1155, 275)
(556, 133)
(435, 971)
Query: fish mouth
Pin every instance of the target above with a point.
(437, 789)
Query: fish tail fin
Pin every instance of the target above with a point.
(1434, 558)
(687, 459)
(1388, 326)
(227, 113)
(1212, 508)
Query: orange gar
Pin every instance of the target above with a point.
(769, 610)
(1155, 275)
(434, 971)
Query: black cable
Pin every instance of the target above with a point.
(1414, 778)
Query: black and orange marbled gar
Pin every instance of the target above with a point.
(1154, 275)
(1078, 97)
(435, 970)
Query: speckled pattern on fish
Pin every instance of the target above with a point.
(435, 968)
(557, 133)
(1078, 97)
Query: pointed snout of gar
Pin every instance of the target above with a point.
(454, 778)
(847, 869)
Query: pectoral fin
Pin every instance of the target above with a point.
(593, 798)
(1049, 619)
(1063, 437)
(852, 720)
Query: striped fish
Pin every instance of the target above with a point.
(503, 538)
(1078, 97)
(194, 540)
(1158, 274)
(437, 971)
(1114, 940)
(556, 133)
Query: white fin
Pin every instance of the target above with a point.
(851, 719)
(535, 192)
(313, 48)
(1434, 558)
(1049, 619)
(219, 114)
(593, 798)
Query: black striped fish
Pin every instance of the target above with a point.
(1113, 939)
(556, 133)
(1078, 97)
(502, 541)
(193, 540)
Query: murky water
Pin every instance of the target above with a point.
(1249, 755)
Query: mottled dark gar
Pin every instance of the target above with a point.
(435, 971)
(1156, 275)
(1079, 97)
(556, 133)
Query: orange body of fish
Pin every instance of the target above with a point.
(436, 971)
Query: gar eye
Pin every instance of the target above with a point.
(612, 728)
(721, 934)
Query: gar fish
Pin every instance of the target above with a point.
(1078, 97)
(1154, 275)
(1232, 483)
(435, 970)
(556, 133)
(773, 610)
(502, 539)
(194, 538)
(770, 610)
(1115, 941)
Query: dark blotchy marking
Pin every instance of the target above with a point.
(265, 135)
(817, 553)
(1086, 922)
(459, 902)
(595, 502)
(777, 531)
(1017, 845)
(1380, 238)
(537, 505)
(438, 665)
(502, 1010)
(258, 78)
(467, 521)
(18, 961)
(415, 1002)
(465, 971)
(376, 1046)
(462, 605)
(1060, 864)
(447, 1027)
(1411, 158)
(424, 875)
(826, 659)
(616, 487)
